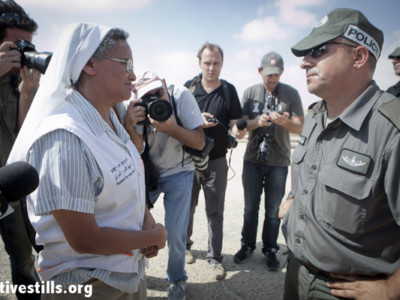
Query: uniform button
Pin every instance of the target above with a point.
(302, 217)
(305, 191)
(298, 241)
(313, 167)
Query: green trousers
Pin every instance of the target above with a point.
(300, 284)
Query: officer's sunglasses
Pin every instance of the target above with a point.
(319, 50)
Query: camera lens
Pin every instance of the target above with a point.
(38, 61)
(159, 110)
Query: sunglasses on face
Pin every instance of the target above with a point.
(319, 50)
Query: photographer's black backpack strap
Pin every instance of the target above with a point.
(192, 85)
(225, 87)
(173, 104)
(227, 94)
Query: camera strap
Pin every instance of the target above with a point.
(175, 110)
(173, 104)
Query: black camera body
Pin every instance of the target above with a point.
(158, 109)
(31, 58)
(271, 108)
(264, 147)
(231, 142)
(212, 120)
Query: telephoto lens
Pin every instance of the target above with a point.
(31, 58)
(201, 166)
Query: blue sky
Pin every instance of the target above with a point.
(165, 35)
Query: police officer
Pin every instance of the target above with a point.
(395, 57)
(341, 221)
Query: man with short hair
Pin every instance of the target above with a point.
(395, 57)
(17, 87)
(343, 214)
(220, 106)
(273, 110)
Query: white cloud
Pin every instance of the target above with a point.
(82, 5)
(177, 67)
(260, 30)
(250, 56)
(297, 17)
(291, 13)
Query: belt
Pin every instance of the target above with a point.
(315, 271)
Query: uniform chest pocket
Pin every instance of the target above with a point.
(297, 159)
(298, 154)
(344, 200)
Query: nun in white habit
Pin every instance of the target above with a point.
(89, 210)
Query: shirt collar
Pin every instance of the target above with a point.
(93, 119)
(356, 113)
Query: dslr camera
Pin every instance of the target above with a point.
(270, 108)
(31, 58)
(264, 147)
(158, 109)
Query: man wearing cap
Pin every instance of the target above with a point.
(395, 57)
(273, 110)
(341, 221)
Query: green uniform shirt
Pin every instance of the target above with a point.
(8, 117)
(345, 215)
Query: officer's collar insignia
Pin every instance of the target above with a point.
(354, 161)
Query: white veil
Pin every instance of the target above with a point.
(74, 48)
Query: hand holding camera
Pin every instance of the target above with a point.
(30, 80)
(209, 120)
(279, 118)
(9, 59)
(134, 114)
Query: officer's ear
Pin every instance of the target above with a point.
(361, 55)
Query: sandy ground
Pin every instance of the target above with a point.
(250, 280)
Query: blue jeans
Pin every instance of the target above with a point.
(177, 191)
(255, 178)
(19, 248)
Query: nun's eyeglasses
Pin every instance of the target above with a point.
(128, 62)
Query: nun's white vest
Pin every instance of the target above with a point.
(121, 204)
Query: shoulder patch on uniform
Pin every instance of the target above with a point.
(391, 110)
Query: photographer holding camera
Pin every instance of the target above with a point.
(168, 130)
(273, 110)
(18, 85)
(220, 106)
